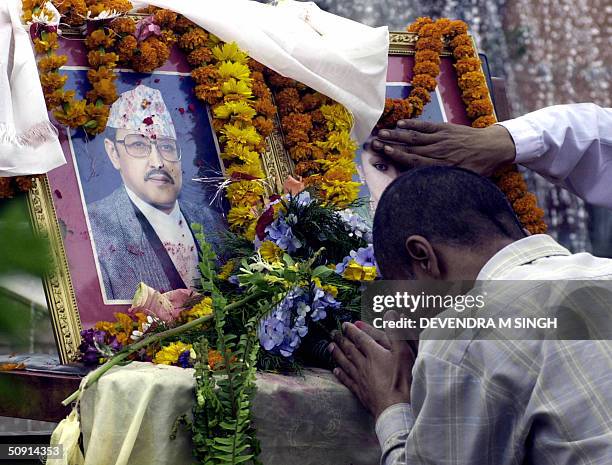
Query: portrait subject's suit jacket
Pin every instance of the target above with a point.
(126, 251)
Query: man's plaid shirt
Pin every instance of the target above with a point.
(507, 402)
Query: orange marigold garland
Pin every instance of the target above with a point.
(475, 94)
(317, 135)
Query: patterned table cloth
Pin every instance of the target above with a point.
(307, 419)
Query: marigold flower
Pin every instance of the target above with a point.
(464, 51)
(465, 65)
(279, 81)
(99, 38)
(427, 55)
(481, 107)
(192, 39)
(73, 116)
(430, 43)
(165, 18)
(425, 81)
(484, 121)
(456, 28)
(102, 73)
(443, 24)
(426, 67)
(123, 25)
(203, 308)
(247, 135)
(417, 105)
(104, 90)
(126, 48)
(200, 56)
(430, 30)
(421, 93)
(183, 25)
(209, 94)
(73, 12)
(226, 270)
(314, 101)
(461, 39)
(265, 126)
(525, 204)
(288, 101)
(475, 93)
(472, 80)
(52, 81)
(58, 97)
(419, 23)
(340, 194)
(265, 106)
(511, 181)
(240, 217)
(97, 58)
(51, 63)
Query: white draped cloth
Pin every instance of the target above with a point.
(28, 141)
(343, 59)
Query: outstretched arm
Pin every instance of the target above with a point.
(571, 145)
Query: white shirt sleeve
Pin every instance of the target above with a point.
(570, 145)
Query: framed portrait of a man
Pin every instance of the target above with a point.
(120, 212)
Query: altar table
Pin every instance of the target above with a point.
(307, 419)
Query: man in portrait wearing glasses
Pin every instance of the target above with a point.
(142, 230)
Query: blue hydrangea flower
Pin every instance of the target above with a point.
(303, 198)
(357, 224)
(321, 302)
(365, 256)
(276, 334)
(281, 234)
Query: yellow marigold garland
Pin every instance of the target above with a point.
(232, 84)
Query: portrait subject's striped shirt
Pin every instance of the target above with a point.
(509, 402)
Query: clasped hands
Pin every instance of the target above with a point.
(375, 367)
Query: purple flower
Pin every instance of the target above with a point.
(321, 302)
(357, 224)
(276, 334)
(184, 360)
(364, 256)
(146, 28)
(281, 234)
(91, 340)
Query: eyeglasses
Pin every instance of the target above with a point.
(139, 146)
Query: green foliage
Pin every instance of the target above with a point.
(319, 228)
(21, 251)
(222, 431)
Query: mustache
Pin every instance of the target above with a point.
(156, 172)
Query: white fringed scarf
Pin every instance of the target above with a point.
(28, 141)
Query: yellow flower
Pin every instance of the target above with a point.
(169, 355)
(238, 71)
(340, 193)
(338, 118)
(233, 86)
(247, 135)
(240, 217)
(235, 149)
(230, 52)
(356, 272)
(339, 141)
(239, 110)
(106, 326)
(252, 169)
(271, 252)
(245, 192)
(202, 308)
(329, 288)
(226, 270)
